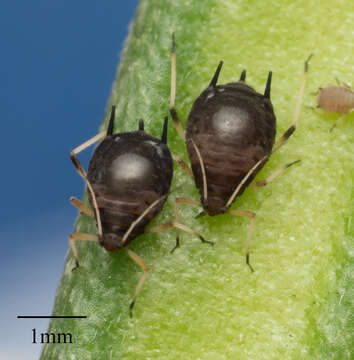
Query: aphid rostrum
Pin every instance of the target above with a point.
(128, 181)
(336, 99)
(230, 135)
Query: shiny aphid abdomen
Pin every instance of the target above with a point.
(234, 127)
(128, 172)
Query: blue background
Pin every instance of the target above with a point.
(57, 65)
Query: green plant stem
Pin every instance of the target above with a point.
(202, 302)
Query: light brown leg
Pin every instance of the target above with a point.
(140, 262)
(317, 110)
(183, 165)
(175, 118)
(83, 174)
(176, 225)
(159, 228)
(341, 83)
(340, 119)
(189, 230)
(273, 176)
(79, 236)
(81, 206)
(282, 140)
(252, 216)
(185, 201)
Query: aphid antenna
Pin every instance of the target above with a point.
(173, 46)
(214, 80)
(205, 187)
(173, 73)
(246, 177)
(301, 92)
(306, 66)
(142, 215)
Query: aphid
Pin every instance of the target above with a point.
(128, 181)
(336, 99)
(230, 135)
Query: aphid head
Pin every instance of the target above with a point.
(214, 205)
(112, 242)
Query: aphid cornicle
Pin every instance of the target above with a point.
(128, 181)
(230, 135)
(336, 99)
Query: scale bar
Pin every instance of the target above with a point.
(50, 317)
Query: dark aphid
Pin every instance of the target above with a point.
(128, 180)
(336, 99)
(233, 127)
(230, 136)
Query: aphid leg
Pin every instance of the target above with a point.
(340, 119)
(176, 225)
(176, 121)
(185, 201)
(252, 216)
(81, 206)
(341, 83)
(83, 174)
(189, 230)
(175, 205)
(183, 165)
(79, 236)
(140, 262)
(281, 141)
(273, 176)
(159, 228)
(316, 109)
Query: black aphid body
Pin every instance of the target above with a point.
(128, 172)
(233, 127)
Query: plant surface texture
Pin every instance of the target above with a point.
(203, 302)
